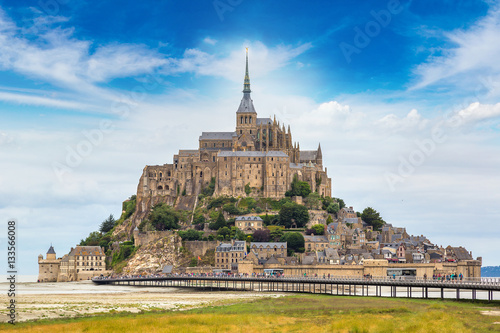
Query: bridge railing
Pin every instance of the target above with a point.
(318, 279)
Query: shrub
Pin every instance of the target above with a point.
(190, 235)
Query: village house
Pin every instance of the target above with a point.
(248, 224)
(228, 254)
(347, 213)
(316, 243)
(266, 250)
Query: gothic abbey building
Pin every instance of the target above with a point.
(260, 153)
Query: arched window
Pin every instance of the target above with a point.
(241, 120)
(168, 174)
(160, 187)
(246, 119)
(250, 120)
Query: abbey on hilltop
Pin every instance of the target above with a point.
(259, 157)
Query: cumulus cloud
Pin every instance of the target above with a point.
(412, 121)
(477, 112)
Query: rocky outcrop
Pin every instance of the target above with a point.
(152, 257)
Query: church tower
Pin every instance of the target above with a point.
(246, 117)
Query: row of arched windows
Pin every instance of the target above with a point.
(247, 119)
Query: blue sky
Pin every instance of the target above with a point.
(403, 96)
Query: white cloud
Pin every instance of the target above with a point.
(472, 59)
(210, 41)
(412, 121)
(477, 111)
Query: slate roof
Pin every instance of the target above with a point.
(264, 121)
(268, 244)
(316, 239)
(228, 247)
(351, 220)
(308, 155)
(246, 105)
(167, 269)
(272, 261)
(461, 253)
(252, 154)
(189, 152)
(87, 251)
(332, 254)
(51, 250)
(248, 218)
(308, 260)
(217, 135)
(296, 166)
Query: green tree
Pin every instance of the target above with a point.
(333, 208)
(269, 219)
(298, 188)
(341, 203)
(295, 241)
(329, 219)
(319, 229)
(248, 190)
(326, 202)
(224, 232)
(220, 222)
(372, 217)
(313, 201)
(291, 213)
(107, 224)
(93, 239)
(164, 217)
(231, 209)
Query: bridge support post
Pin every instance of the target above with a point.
(442, 293)
(458, 294)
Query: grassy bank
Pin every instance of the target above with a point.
(303, 313)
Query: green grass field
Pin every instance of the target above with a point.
(301, 313)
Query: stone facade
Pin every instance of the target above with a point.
(248, 224)
(376, 268)
(82, 263)
(48, 269)
(266, 250)
(228, 254)
(259, 154)
(316, 243)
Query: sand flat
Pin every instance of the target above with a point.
(71, 299)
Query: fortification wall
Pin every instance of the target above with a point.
(199, 248)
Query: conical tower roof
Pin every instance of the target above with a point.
(51, 250)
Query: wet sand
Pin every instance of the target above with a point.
(72, 299)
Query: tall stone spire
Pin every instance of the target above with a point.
(246, 105)
(246, 83)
